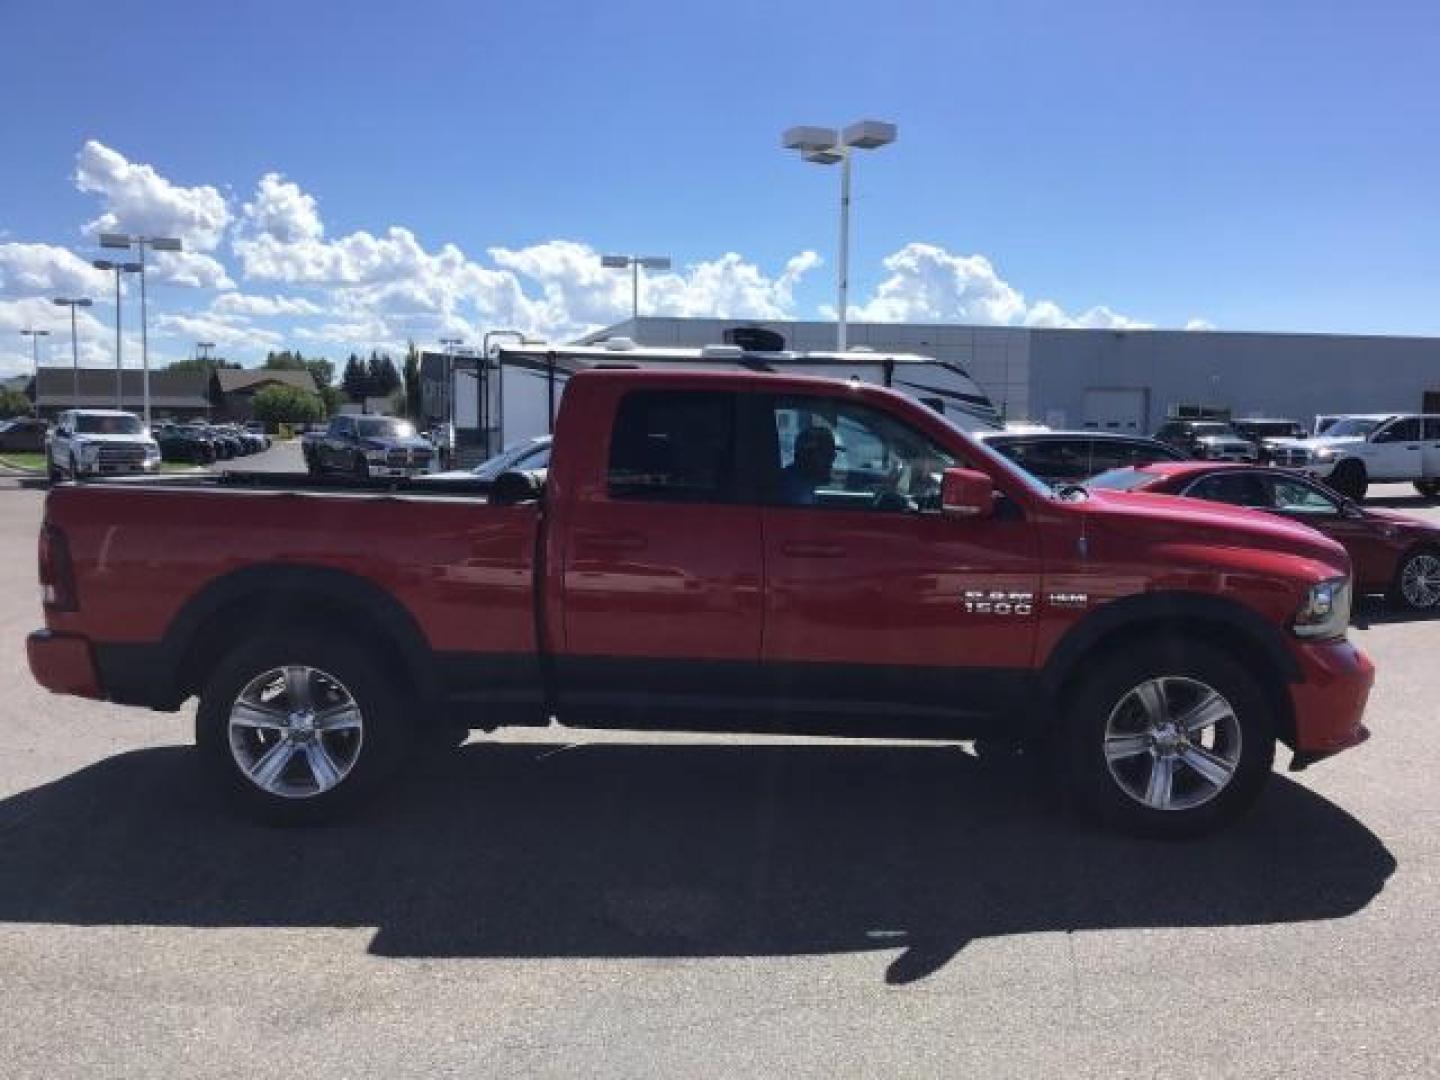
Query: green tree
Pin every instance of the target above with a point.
(332, 397)
(209, 365)
(412, 382)
(356, 380)
(13, 403)
(321, 370)
(287, 405)
(383, 377)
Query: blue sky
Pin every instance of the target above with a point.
(1268, 166)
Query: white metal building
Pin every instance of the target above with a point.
(1128, 380)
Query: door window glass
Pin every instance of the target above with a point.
(1296, 497)
(1432, 428)
(1401, 431)
(835, 453)
(673, 446)
(1238, 489)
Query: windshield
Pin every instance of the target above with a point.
(1352, 425)
(109, 425)
(1121, 479)
(383, 427)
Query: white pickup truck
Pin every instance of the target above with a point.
(1359, 449)
(100, 442)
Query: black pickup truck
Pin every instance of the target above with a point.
(368, 446)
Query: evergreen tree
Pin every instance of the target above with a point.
(356, 380)
(412, 382)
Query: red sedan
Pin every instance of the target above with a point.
(1393, 554)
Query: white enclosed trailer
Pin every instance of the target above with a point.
(515, 393)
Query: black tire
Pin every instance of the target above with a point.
(1245, 739)
(360, 467)
(53, 470)
(1428, 488)
(1350, 480)
(312, 463)
(1422, 595)
(384, 735)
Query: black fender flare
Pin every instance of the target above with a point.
(1166, 610)
(288, 585)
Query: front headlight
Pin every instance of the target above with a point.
(89, 451)
(1324, 453)
(1326, 611)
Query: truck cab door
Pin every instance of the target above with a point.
(1430, 447)
(882, 614)
(660, 574)
(1395, 451)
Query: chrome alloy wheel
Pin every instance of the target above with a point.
(1172, 743)
(1420, 581)
(295, 731)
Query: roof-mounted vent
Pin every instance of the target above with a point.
(754, 338)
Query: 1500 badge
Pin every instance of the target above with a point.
(984, 602)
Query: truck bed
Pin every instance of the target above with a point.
(155, 559)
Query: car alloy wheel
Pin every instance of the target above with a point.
(1172, 743)
(295, 731)
(1420, 581)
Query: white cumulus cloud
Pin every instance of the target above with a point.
(136, 199)
(927, 283)
(45, 269)
(246, 304)
(224, 333)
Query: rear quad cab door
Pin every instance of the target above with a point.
(661, 574)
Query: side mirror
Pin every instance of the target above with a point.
(966, 493)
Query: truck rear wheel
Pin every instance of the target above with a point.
(1428, 489)
(1170, 740)
(301, 726)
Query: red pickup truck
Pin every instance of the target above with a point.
(714, 552)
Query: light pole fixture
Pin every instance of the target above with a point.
(119, 268)
(140, 244)
(61, 301)
(826, 146)
(634, 263)
(202, 350)
(35, 336)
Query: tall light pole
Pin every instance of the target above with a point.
(35, 336)
(119, 268)
(634, 263)
(202, 350)
(140, 244)
(826, 146)
(61, 301)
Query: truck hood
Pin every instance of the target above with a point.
(85, 437)
(407, 442)
(1194, 521)
(1320, 441)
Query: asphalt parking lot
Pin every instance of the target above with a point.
(575, 906)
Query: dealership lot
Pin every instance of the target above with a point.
(579, 906)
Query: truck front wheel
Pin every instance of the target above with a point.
(1170, 741)
(300, 726)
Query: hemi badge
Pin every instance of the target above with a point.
(1068, 599)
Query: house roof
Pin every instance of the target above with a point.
(232, 380)
(168, 389)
